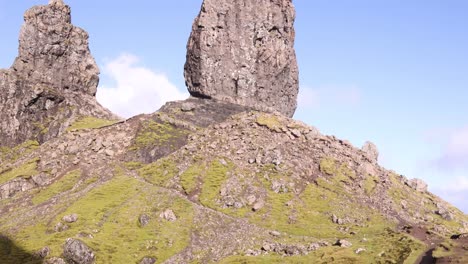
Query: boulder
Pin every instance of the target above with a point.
(371, 152)
(243, 52)
(78, 252)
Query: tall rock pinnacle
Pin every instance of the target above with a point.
(53, 80)
(54, 52)
(243, 52)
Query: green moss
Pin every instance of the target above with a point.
(443, 250)
(159, 172)
(109, 213)
(64, 184)
(215, 175)
(154, 133)
(26, 170)
(370, 183)
(133, 165)
(191, 178)
(270, 121)
(9, 155)
(90, 122)
(328, 166)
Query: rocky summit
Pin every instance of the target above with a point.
(52, 82)
(198, 181)
(243, 52)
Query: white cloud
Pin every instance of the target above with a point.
(329, 95)
(137, 89)
(456, 192)
(455, 151)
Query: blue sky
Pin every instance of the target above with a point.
(392, 72)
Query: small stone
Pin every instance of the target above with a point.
(78, 252)
(148, 260)
(44, 252)
(251, 199)
(55, 260)
(59, 227)
(70, 218)
(187, 107)
(275, 233)
(109, 152)
(343, 243)
(404, 204)
(258, 205)
(314, 246)
(144, 220)
(359, 250)
(168, 215)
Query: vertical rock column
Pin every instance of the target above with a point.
(242, 51)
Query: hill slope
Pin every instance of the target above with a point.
(232, 187)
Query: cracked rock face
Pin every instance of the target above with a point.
(53, 80)
(243, 52)
(54, 52)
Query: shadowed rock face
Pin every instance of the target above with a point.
(52, 81)
(242, 52)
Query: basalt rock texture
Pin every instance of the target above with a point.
(243, 52)
(53, 80)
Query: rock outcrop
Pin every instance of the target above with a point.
(243, 52)
(53, 80)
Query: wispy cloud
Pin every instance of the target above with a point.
(315, 97)
(455, 150)
(455, 191)
(137, 89)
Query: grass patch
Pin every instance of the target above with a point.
(89, 122)
(159, 172)
(216, 174)
(270, 121)
(443, 250)
(64, 184)
(26, 170)
(109, 213)
(191, 178)
(154, 133)
(370, 183)
(9, 155)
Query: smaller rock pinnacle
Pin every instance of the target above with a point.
(56, 2)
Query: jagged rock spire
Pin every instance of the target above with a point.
(243, 52)
(54, 52)
(53, 80)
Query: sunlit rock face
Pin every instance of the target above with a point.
(243, 52)
(52, 81)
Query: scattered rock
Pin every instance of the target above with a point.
(78, 252)
(371, 152)
(148, 260)
(144, 220)
(275, 233)
(360, 250)
(258, 205)
(244, 54)
(418, 185)
(59, 227)
(70, 218)
(343, 243)
(55, 260)
(44, 252)
(168, 215)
